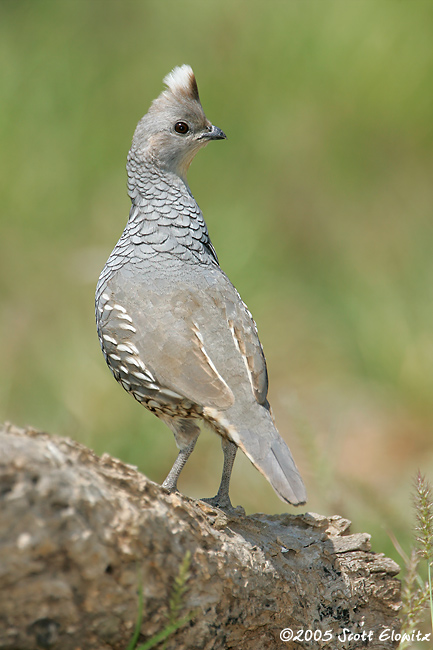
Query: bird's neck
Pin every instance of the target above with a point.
(162, 201)
(148, 181)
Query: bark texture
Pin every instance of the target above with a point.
(79, 534)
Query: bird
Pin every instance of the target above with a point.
(173, 329)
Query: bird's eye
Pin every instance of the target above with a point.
(181, 127)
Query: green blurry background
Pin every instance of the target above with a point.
(319, 205)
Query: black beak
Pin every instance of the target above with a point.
(214, 133)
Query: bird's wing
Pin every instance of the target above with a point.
(245, 336)
(189, 339)
(160, 326)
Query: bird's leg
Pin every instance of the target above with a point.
(222, 498)
(186, 432)
(170, 482)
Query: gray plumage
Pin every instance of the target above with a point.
(173, 329)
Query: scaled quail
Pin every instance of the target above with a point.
(173, 329)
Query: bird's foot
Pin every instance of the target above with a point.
(169, 486)
(222, 501)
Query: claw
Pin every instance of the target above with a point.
(222, 502)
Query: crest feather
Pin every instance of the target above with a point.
(181, 81)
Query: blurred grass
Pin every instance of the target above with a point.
(319, 205)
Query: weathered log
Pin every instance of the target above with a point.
(84, 539)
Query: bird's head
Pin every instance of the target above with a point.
(175, 126)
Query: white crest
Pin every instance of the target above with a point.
(181, 80)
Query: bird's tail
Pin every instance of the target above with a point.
(268, 452)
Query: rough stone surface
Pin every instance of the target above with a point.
(79, 534)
